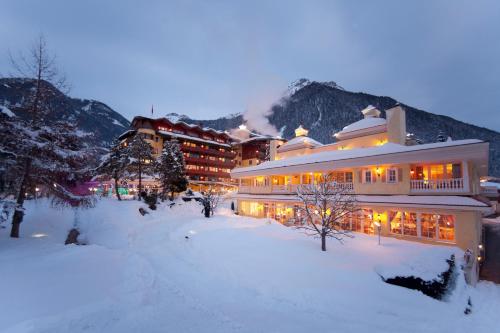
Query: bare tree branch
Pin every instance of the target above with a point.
(325, 205)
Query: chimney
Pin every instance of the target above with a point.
(396, 124)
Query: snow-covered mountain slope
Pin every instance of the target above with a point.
(325, 108)
(90, 116)
(232, 274)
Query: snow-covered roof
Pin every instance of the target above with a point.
(339, 155)
(409, 200)
(363, 124)
(490, 184)
(299, 143)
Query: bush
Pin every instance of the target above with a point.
(436, 288)
(151, 200)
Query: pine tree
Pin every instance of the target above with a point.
(441, 137)
(114, 165)
(171, 169)
(33, 154)
(141, 161)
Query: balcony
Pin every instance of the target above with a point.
(280, 189)
(206, 161)
(437, 185)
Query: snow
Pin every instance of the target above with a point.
(490, 184)
(116, 122)
(6, 111)
(233, 274)
(363, 124)
(337, 155)
(300, 142)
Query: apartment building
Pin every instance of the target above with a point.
(426, 193)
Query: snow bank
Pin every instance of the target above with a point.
(230, 274)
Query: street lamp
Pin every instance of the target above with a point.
(378, 223)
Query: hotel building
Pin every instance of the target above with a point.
(209, 154)
(426, 193)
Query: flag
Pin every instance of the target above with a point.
(151, 109)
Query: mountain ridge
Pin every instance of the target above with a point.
(95, 118)
(325, 109)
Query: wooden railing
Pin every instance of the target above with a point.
(437, 185)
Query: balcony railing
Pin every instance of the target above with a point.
(437, 185)
(279, 189)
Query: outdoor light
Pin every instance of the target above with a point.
(479, 258)
(378, 171)
(37, 189)
(378, 224)
(480, 246)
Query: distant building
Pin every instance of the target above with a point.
(252, 148)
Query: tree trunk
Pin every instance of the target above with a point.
(323, 241)
(17, 218)
(140, 181)
(116, 190)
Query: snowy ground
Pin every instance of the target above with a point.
(233, 274)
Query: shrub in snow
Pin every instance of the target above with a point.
(436, 288)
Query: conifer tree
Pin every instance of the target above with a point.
(171, 169)
(34, 154)
(141, 161)
(114, 165)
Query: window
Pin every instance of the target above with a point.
(428, 226)
(368, 176)
(368, 226)
(446, 225)
(392, 175)
(345, 222)
(395, 221)
(409, 224)
(348, 177)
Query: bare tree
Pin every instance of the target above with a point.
(40, 66)
(325, 204)
(40, 154)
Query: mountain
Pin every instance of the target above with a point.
(98, 123)
(325, 108)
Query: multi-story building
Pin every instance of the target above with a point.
(252, 148)
(426, 193)
(208, 153)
